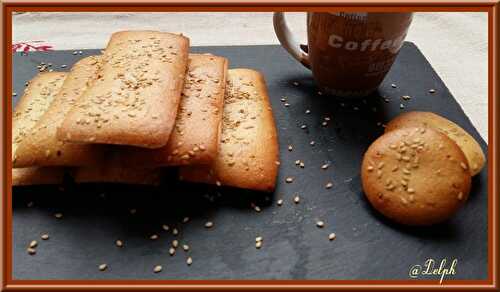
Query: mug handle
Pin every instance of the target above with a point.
(287, 40)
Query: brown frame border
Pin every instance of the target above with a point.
(489, 6)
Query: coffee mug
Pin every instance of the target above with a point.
(349, 54)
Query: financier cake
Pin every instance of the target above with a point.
(415, 176)
(466, 142)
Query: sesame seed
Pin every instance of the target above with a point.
(325, 166)
(258, 244)
(312, 143)
(283, 98)
(296, 83)
(103, 267)
(301, 164)
(153, 237)
(393, 85)
(401, 106)
(175, 243)
(320, 224)
(171, 251)
(320, 93)
(432, 90)
(279, 202)
(460, 196)
(64, 66)
(189, 261)
(287, 104)
(209, 224)
(289, 179)
(119, 243)
(332, 236)
(296, 199)
(58, 215)
(324, 124)
(411, 190)
(370, 168)
(303, 127)
(290, 147)
(45, 236)
(157, 269)
(185, 220)
(31, 251)
(406, 97)
(218, 183)
(33, 244)
(463, 165)
(175, 231)
(14, 94)
(308, 111)
(329, 185)
(258, 238)
(297, 162)
(185, 247)
(257, 209)
(165, 227)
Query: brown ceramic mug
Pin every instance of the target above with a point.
(349, 53)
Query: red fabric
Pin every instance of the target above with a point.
(31, 46)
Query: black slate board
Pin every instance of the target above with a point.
(367, 245)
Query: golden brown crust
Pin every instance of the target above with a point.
(37, 176)
(415, 176)
(134, 101)
(41, 147)
(30, 108)
(467, 143)
(195, 138)
(248, 150)
(116, 174)
(35, 101)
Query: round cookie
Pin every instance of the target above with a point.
(415, 176)
(466, 142)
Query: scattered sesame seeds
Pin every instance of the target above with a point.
(119, 243)
(189, 261)
(289, 179)
(58, 215)
(279, 202)
(33, 244)
(153, 237)
(320, 224)
(103, 267)
(329, 185)
(209, 224)
(332, 236)
(45, 236)
(296, 199)
(157, 269)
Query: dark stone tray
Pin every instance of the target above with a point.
(367, 245)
